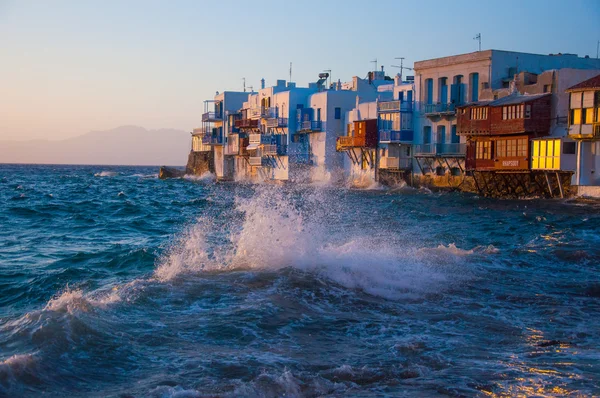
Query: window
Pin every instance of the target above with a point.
(588, 116)
(516, 112)
(483, 150)
(338, 113)
(569, 148)
(511, 148)
(547, 88)
(545, 154)
(575, 116)
(479, 113)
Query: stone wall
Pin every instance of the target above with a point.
(199, 163)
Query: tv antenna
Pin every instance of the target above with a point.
(401, 67)
(375, 62)
(478, 38)
(290, 71)
(244, 79)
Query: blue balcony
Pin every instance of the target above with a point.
(396, 137)
(210, 139)
(439, 109)
(310, 126)
(277, 122)
(440, 150)
(212, 117)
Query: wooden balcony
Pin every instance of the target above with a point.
(395, 106)
(345, 143)
(246, 124)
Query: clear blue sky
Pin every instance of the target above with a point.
(67, 67)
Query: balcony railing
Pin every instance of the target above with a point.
(395, 163)
(274, 150)
(440, 150)
(393, 136)
(310, 126)
(255, 161)
(343, 143)
(211, 116)
(277, 122)
(395, 106)
(199, 131)
(246, 124)
(439, 109)
(254, 139)
(212, 140)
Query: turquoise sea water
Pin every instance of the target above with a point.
(115, 283)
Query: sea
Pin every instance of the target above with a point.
(114, 283)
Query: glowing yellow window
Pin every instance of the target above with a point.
(589, 115)
(576, 116)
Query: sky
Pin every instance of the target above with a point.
(68, 67)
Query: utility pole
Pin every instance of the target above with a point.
(478, 37)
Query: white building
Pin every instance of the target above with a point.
(584, 127)
(442, 84)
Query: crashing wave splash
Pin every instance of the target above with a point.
(274, 234)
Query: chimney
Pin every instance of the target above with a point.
(262, 83)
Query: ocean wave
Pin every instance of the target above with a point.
(106, 174)
(273, 235)
(206, 177)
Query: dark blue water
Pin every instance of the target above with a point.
(115, 283)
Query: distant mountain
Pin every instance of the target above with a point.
(125, 145)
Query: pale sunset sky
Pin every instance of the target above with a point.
(68, 67)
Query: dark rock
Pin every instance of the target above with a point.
(170, 172)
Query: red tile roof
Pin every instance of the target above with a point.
(589, 84)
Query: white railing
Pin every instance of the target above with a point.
(254, 139)
(255, 161)
(389, 163)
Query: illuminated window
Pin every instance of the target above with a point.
(545, 155)
(483, 150)
(588, 116)
(575, 116)
(479, 113)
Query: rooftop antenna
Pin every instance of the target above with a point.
(401, 67)
(290, 71)
(251, 89)
(328, 71)
(375, 62)
(244, 79)
(478, 37)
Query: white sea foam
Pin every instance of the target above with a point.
(73, 301)
(106, 174)
(273, 234)
(206, 177)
